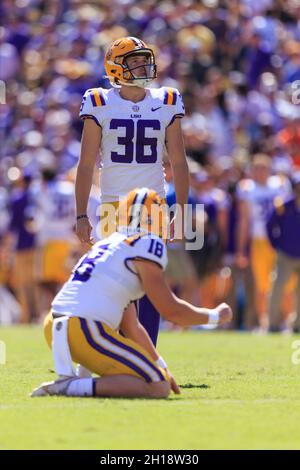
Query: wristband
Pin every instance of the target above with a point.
(213, 317)
(83, 216)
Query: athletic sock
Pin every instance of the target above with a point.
(81, 388)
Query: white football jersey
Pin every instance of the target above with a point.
(260, 199)
(104, 282)
(56, 207)
(133, 137)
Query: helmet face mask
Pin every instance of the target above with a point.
(149, 67)
(120, 72)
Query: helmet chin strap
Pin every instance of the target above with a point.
(141, 83)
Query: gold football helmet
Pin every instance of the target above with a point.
(116, 66)
(143, 211)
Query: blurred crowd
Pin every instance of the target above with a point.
(237, 66)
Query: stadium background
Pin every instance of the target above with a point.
(235, 63)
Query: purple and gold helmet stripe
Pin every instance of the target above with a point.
(136, 41)
(137, 204)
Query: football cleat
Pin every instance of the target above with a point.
(56, 387)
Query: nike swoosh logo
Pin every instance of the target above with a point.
(155, 109)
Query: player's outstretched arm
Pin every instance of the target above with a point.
(90, 144)
(173, 308)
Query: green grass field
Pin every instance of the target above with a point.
(239, 392)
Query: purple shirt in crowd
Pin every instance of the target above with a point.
(20, 209)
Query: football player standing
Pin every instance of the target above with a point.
(131, 125)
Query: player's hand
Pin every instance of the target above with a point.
(83, 231)
(225, 313)
(174, 387)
